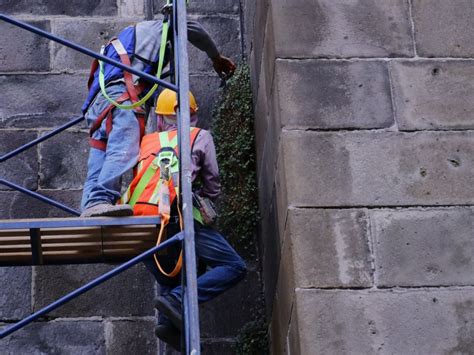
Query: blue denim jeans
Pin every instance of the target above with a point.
(105, 168)
(227, 268)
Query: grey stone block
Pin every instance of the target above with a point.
(23, 168)
(57, 337)
(129, 294)
(67, 8)
(270, 252)
(384, 169)
(218, 322)
(424, 247)
(328, 95)
(36, 101)
(400, 322)
(283, 299)
(256, 15)
(326, 28)
(217, 348)
(21, 50)
(205, 7)
(86, 32)
(131, 337)
(18, 205)
(330, 248)
(63, 161)
(132, 8)
(15, 297)
(206, 90)
(443, 28)
(225, 31)
(434, 94)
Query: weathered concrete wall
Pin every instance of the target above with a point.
(365, 143)
(43, 85)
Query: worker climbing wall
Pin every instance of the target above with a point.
(365, 146)
(43, 86)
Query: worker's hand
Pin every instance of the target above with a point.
(223, 66)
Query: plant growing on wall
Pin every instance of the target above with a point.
(235, 145)
(233, 130)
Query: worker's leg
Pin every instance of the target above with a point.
(227, 267)
(103, 183)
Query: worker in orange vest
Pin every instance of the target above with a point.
(223, 266)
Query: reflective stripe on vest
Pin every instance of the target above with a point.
(144, 192)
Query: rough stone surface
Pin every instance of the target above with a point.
(131, 8)
(85, 32)
(327, 94)
(18, 205)
(384, 169)
(270, 252)
(326, 28)
(62, 167)
(424, 247)
(330, 248)
(204, 6)
(132, 336)
(129, 294)
(15, 299)
(23, 168)
(36, 101)
(434, 94)
(255, 18)
(444, 28)
(400, 322)
(21, 50)
(243, 297)
(67, 8)
(205, 89)
(57, 337)
(283, 298)
(225, 31)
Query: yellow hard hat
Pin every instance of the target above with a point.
(167, 102)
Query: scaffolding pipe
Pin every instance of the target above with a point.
(40, 197)
(90, 285)
(87, 51)
(190, 299)
(40, 139)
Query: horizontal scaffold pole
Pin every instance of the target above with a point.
(41, 139)
(39, 197)
(86, 51)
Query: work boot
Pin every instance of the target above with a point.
(107, 210)
(169, 334)
(171, 308)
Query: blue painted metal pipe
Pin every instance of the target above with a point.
(96, 282)
(40, 197)
(192, 332)
(40, 139)
(145, 76)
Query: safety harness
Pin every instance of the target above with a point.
(133, 91)
(155, 187)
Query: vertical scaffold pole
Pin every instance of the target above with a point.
(190, 293)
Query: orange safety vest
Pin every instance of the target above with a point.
(155, 186)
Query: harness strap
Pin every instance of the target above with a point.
(119, 48)
(106, 114)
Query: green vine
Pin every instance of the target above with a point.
(233, 132)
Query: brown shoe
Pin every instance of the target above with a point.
(108, 210)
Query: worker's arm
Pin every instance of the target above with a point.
(205, 165)
(201, 39)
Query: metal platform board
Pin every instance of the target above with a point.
(75, 240)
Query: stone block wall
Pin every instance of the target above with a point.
(43, 86)
(365, 144)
